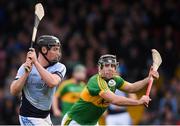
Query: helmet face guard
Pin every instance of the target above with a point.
(108, 59)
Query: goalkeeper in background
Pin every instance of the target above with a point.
(99, 93)
(69, 91)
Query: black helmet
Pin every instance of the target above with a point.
(48, 41)
(110, 59)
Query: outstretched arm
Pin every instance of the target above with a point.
(123, 101)
(138, 85)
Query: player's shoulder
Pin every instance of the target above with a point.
(119, 81)
(94, 81)
(93, 86)
(58, 64)
(93, 78)
(118, 78)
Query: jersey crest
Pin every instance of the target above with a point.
(112, 84)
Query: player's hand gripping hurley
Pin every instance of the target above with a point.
(156, 63)
(39, 14)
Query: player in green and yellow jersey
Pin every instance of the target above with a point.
(99, 93)
(69, 91)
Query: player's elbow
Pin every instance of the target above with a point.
(131, 89)
(53, 84)
(114, 102)
(13, 91)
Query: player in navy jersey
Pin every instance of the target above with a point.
(38, 83)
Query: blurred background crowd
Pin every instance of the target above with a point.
(89, 28)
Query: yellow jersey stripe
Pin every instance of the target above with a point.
(102, 84)
(96, 100)
(124, 84)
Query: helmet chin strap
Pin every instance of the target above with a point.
(44, 55)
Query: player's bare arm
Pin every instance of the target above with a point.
(50, 79)
(17, 85)
(138, 85)
(55, 108)
(123, 101)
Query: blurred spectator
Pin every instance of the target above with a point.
(168, 108)
(1, 105)
(169, 101)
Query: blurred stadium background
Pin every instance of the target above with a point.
(89, 28)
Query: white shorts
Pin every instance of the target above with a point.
(31, 121)
(66, 121)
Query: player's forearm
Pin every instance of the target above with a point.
(17, 85)
(55, 108)
(138, 85)
(123, 101)
(48, 77)
(55, 103)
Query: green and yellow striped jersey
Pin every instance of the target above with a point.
(69, 92)
(88, 109)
